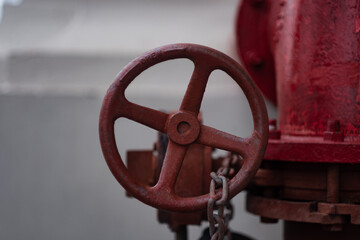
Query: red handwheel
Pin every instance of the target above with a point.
(182, 127)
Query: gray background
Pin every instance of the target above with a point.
(57, 59)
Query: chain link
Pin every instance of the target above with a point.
(222, 219)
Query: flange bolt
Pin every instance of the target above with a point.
(333, 132)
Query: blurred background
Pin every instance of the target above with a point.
(57, 59)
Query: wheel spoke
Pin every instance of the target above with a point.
(215, 138)
(196, 88)
(145, 116)
(171, 167)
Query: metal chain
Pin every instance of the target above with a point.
(222, 219)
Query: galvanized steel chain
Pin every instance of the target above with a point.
(221, 218)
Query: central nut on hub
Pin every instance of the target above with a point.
(183, 128)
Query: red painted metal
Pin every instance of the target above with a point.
(301, 231)
(253, 44)
(144, 158)
(306, 53)
(313, 49)
(290, 210)
(319, 44)
(312, 149)
(182, 127)
(193, 180)
(327, 182)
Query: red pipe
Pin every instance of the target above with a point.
(309, 51)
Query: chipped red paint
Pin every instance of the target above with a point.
(305, 56)
(182, 127)
(312, 47)
(320, 49)
(193, 180)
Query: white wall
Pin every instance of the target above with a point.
(57, 59)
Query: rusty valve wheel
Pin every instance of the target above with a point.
(182, 127)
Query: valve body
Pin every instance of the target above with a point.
(304, 55)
